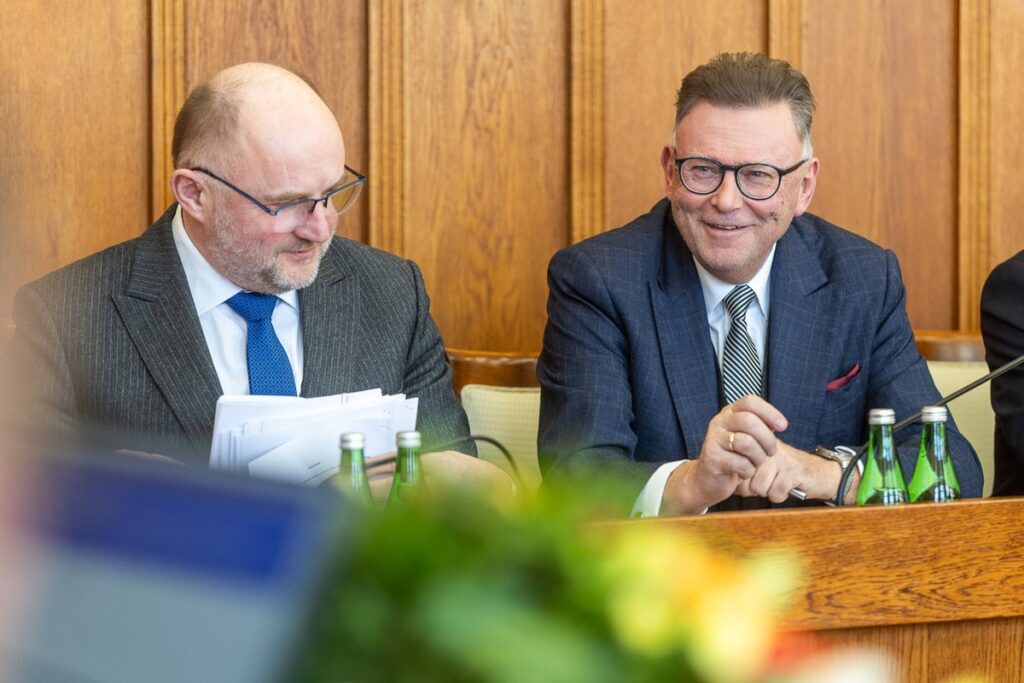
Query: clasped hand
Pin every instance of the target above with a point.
(742, 455)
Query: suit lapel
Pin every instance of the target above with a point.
(801, 321)
(686, 350)
(329, 324)
(157, 309)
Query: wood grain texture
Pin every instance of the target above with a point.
(487, 163)
(74, 175)
(167, 93)
(939, 587)
(785, 30)
(974, 174)
(884, 75)
(387, 124)
(491, 368)
(586, 123)
(320, 39)
(950, 346)
(1006, 120)
(991, 648)
(648, 50)
(881, 566)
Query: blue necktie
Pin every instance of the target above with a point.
(270, 373)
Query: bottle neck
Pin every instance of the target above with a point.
(353, 456)
(881, 443)
(934, 436)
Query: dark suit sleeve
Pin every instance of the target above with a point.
(38, 392)
(586, 435)
(900, 379)
(440, 417)
(1002, 328)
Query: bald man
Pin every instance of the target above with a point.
(130, 348)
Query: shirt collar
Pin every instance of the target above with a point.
(208, 287)
(715, 290)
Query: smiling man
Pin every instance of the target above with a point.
(240, 287)
(695, 358)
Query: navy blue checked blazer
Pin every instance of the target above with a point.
(629, 376)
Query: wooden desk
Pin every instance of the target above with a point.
(941, 587)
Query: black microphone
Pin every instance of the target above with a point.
(844, 481)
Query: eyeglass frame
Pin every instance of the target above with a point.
(783, 172)
(360, 180)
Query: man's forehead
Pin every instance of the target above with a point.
(708, 129)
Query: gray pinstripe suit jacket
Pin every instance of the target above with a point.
(110, 349)
(629, 376)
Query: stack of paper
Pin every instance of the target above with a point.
(295, 439)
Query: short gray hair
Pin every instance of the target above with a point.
(749, 79)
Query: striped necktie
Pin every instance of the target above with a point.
(741, 369)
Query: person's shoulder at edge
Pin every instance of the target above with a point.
(1009, 273)
(839, 251)
(639, 241)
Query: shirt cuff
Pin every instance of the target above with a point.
(648, 503)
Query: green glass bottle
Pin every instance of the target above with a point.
(934, 480)
(408, 484)
(352, 472)
(882, 482)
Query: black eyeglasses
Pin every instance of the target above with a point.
(702, 176)
(340, 199)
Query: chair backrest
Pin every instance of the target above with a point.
(509, 415)
(955, 359)
(500, 394)
(950, 346)
(492, 368)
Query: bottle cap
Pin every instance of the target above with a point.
(408, 439)
(352, 441)
(881, 416)
(934, 414)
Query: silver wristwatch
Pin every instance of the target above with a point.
(843, 455)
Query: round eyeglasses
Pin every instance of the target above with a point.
(337, 201)
(702, 176)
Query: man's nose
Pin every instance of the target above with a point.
(318, 225)
(728, 196)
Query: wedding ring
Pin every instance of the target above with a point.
(732, 436)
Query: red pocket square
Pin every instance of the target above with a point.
(844, 380)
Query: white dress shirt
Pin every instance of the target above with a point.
(648, 503)
(225, 330)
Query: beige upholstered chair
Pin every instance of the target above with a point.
(502, 400)
(508, 414)
(955, 360)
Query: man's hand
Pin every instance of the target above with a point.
(739, 439)
(445, 471)
(792, 468)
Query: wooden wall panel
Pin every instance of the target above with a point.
(884, 75)
(503, 131)
(320, 39)
(1006, 123)
(74, 154)
(647, 54)
(485, 163)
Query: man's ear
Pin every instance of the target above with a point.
(808, 182)
(668, 165)
(190, 193)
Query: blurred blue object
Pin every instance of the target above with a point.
(151, 572)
